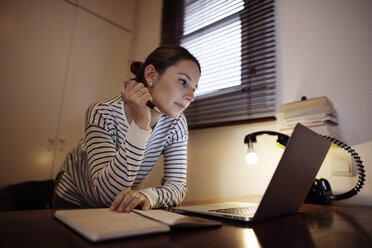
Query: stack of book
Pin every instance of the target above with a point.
(317, 114)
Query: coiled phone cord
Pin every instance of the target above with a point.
(359, 164)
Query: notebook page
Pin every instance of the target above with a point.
(174, 219)
(101, 223)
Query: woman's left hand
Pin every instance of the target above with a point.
(128, 199)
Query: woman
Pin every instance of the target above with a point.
(124, 138)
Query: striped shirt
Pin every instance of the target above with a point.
(115, 155)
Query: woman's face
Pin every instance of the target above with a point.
(173, 90)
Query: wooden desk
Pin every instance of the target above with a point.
(339, 225)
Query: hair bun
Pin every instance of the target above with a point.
(136, 69)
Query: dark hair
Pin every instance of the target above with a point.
(161, 58)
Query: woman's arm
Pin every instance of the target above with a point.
(112, 171)
(173, 188)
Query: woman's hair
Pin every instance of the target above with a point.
(161, 58)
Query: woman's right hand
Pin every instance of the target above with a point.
(136, 96)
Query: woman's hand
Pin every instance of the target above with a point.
(136, 96)
(128, 199)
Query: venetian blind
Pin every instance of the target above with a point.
(234, 42)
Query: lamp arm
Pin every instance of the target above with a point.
(282, 138)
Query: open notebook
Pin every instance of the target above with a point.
(289, 185)
(98, 224)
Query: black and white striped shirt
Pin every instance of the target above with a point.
(115, 155)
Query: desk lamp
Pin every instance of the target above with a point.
(320, 192)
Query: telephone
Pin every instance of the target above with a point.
(320, 192)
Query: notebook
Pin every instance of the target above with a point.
(97, 224)
(288, 187)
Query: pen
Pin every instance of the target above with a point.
(152, 106)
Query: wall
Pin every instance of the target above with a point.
(324, 48)
(147, 25)
(56, 59)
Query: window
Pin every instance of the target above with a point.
(226, 39)
(234, 41)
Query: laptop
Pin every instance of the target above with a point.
(288, 187)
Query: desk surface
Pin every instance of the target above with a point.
(338, 225)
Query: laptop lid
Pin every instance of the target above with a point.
(291, 181)
(295, 173)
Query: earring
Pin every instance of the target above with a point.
(150, 83)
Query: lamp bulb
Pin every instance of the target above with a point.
(251, 158)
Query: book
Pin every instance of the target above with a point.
(99, 224)
(314, 119)
(317, 114)
(316, 105)
(322, 129)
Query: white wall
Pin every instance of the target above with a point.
(324, 48)
(147, 25)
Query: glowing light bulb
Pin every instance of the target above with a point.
(251, 158)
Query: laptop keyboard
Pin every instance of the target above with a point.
(243, 211)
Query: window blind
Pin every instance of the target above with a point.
(234, 42)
